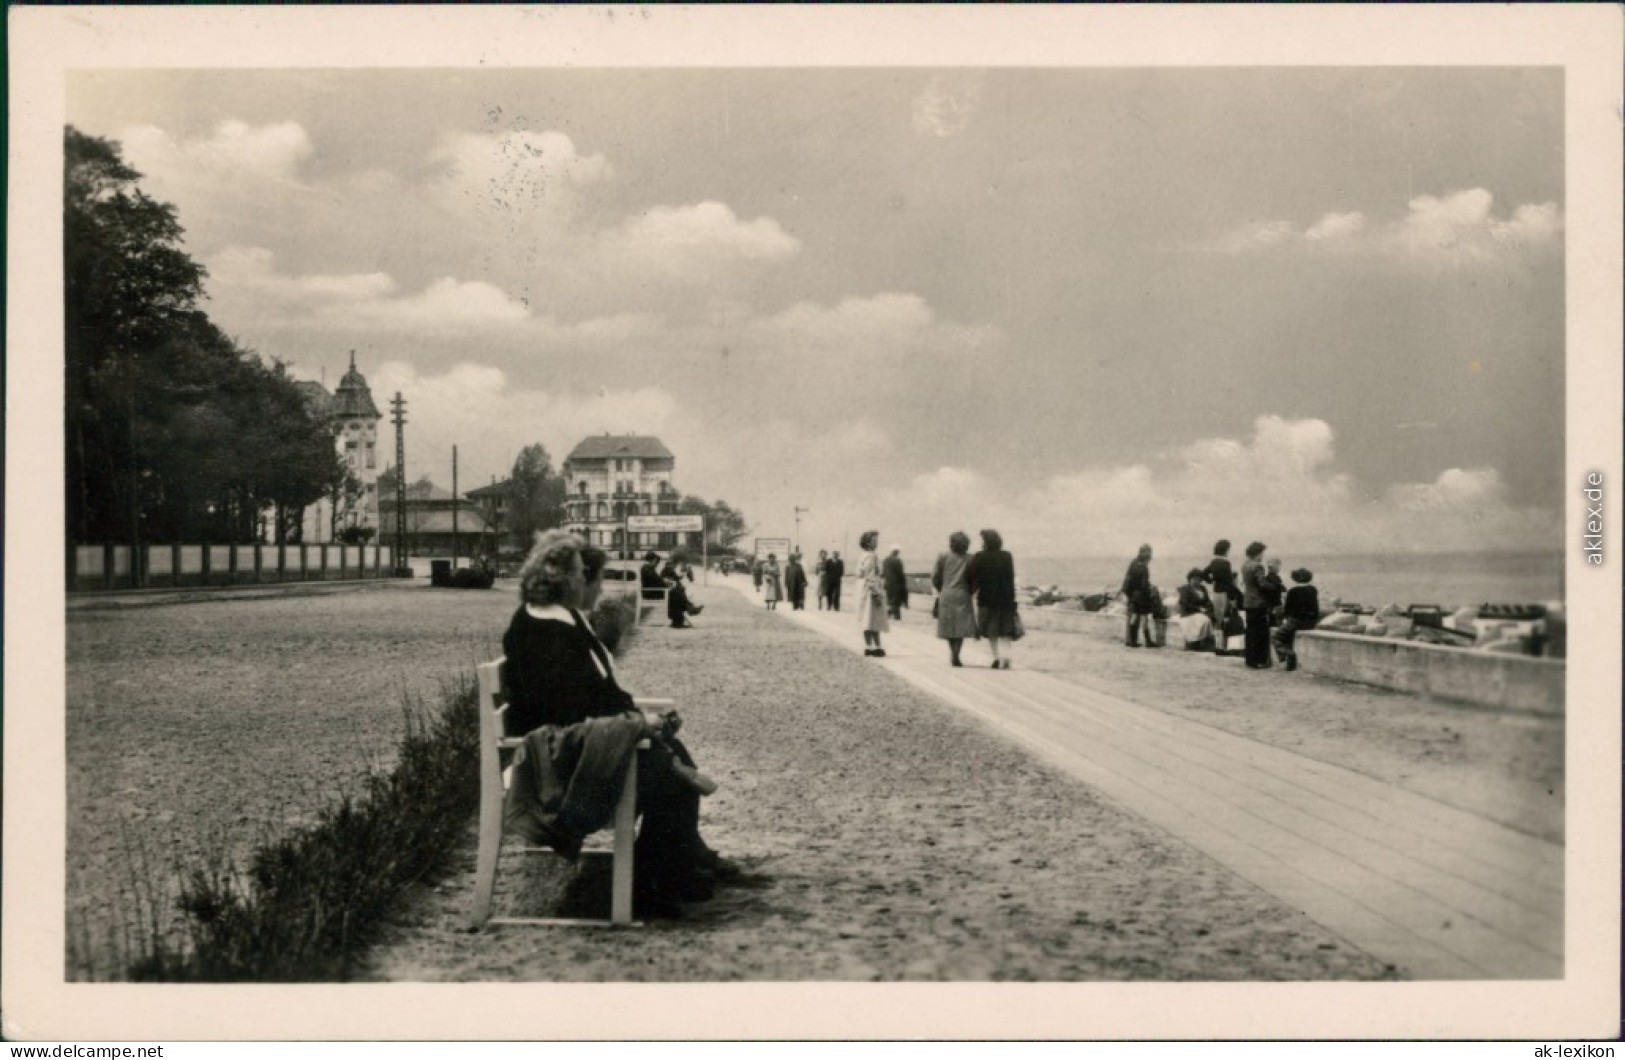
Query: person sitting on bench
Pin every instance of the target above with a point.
(653, 580)
(558, 673)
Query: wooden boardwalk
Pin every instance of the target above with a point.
(1437, 892)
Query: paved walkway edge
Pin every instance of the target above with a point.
(1435, 891)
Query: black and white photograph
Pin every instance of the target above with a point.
(917, 522)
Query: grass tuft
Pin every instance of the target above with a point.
(311, 902)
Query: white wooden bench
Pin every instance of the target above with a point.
(494, 740)
(652, 603)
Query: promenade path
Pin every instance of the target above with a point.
(1437, 892)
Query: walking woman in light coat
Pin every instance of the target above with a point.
(871, 596)
(772, 587)
(956, 617)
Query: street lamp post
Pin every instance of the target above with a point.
(799, 512)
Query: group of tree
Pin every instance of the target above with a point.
(173, 431)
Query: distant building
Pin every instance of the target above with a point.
(351, 411)
(612, 476)
(492, 504)
(436, 524)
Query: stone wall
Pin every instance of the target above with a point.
(1517, 682)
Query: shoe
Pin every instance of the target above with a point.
(880, 653)
(719, 867)
(867, 652)
(1291, 664)
(693, 778)
(1132, 644)
(955, 662)
(1006, 665)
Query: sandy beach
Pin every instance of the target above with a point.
(901, 839)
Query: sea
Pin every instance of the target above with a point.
(1449, 579)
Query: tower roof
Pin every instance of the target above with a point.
(354, 397)
(607, 446)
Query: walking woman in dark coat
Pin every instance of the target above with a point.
(992, 580)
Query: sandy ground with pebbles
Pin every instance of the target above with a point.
(902, 840)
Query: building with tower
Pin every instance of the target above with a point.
(354, 418)
(613, 476)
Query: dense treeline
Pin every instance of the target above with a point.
(173, 432)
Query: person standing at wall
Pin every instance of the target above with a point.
(1255, 605)
(1221, 580)
(819, 578)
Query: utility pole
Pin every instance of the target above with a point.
(454, 508)
(799, 513)
(399, 405)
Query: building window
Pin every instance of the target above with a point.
(372, 459)
(583, 489)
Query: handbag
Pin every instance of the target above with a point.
(1233, 624)
(1018, 631)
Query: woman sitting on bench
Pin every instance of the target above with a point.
(558, 673)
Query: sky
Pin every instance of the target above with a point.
(1320, 307)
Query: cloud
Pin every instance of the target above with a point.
(1335, 226)
(515, 178)
(250, 273)
(1281, 485)
(1458, 228)
(1470, 493)
(946, 106)
(446, 302)
(1255, 235)
(235, 151)
(683, 240)
(246, 286)
(880, 329)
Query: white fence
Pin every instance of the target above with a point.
(166, 566)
